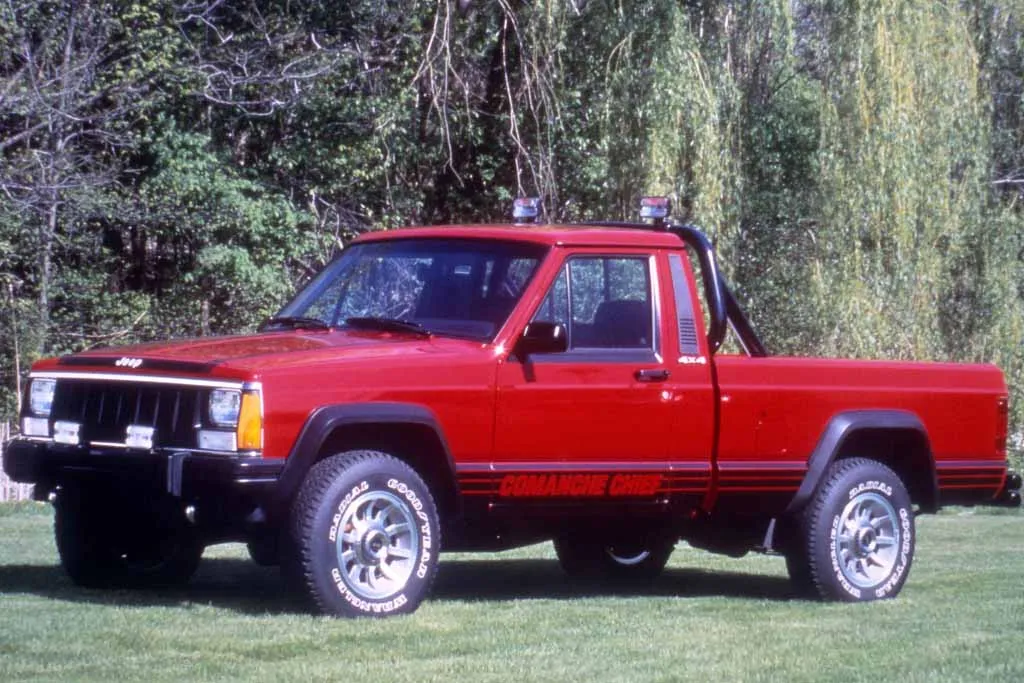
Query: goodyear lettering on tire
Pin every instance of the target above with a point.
(426, 543)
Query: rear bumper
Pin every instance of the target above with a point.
(234, 486)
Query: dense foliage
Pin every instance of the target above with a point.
(176, 167)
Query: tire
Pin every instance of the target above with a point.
(794, 549)
(365, 535)
(588, 557)
(800, 578)
(168, 560)
(97, 552)
(858, 533)
(86, 549)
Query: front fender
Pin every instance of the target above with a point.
(324, 421)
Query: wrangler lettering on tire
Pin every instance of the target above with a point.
(857, 533)
(366, 532)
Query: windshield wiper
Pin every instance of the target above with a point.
(388, 325)
(295, 322)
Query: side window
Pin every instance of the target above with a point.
(604, 302)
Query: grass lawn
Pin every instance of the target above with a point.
(514, 616)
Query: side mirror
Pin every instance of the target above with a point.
(542, 337)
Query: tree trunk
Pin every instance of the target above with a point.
(17, 348)
(204, 319)
(45, 271)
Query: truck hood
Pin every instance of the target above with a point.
(253, 353)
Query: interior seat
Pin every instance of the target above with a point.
(622, 323)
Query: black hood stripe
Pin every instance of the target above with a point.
(137, 363)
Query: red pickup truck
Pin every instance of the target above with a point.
(484, 387)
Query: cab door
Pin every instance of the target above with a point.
(599, 419)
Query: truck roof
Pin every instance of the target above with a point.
(554, 235)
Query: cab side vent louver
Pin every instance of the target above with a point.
(688, 337)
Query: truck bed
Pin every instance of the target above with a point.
(775, 410)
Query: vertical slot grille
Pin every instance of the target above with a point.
(105, 409)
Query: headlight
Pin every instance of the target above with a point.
(40, 400)
(225, 405)
(240, 411)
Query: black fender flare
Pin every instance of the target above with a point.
(323, 421)
(846, 424)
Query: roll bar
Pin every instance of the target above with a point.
(723, 309)
(714, 287)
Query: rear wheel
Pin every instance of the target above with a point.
(794, 549)
(365, 536)
(857, 534)
(590, 556)
(800, 574)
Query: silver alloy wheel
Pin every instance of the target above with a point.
(868, 540)
(627, 558)
(378, 546)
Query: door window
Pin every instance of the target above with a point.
(604, 302)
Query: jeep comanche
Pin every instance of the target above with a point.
(484, 387)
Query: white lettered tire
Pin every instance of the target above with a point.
(365, 534)
(859, 532)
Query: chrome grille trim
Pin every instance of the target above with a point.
(147, 379)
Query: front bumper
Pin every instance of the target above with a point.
(234, 486)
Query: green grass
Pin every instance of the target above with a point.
(514, 616)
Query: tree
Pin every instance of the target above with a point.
(59, 116)
(175, 168)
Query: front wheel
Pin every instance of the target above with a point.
(365, 534)
(858, 533)
(99, 550)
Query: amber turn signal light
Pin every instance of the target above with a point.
(250, 422)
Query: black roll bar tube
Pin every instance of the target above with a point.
(741, 325)
(714, 290)
(725, 310)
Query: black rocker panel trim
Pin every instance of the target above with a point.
(325, 420)
(840, 428)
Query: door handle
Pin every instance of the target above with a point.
(651, 375)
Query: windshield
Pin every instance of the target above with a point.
(463, 288)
